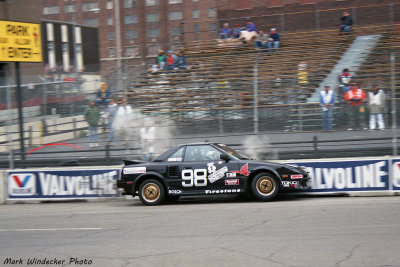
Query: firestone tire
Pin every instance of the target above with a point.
(264, 186)
(151, 192)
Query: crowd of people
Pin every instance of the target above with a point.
(355, 102)
(171, 61)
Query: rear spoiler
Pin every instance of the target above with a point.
(133, 162)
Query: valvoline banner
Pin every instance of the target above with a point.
(345, 176)
(62, 184)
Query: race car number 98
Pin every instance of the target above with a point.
(197, 177)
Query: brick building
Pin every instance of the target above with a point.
(146, 26)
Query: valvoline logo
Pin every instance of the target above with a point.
(21, 184)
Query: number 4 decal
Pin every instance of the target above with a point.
(191, 178)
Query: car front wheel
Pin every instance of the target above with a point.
(264, 186)
(151, 192)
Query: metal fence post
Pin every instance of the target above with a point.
(255, 97)
(317, 20)
(394, 113)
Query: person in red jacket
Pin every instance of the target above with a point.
(355, 99)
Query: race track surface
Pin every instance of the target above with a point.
(291, 231)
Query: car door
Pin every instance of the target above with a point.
(203, 171)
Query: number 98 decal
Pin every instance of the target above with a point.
(197, 177)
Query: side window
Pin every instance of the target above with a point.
(177, 156)
(202, 153)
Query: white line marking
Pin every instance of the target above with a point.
(48, 229)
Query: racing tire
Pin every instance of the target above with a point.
(264, 186)
(151, 192)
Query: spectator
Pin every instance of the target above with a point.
(92, 117)
(355, 98)
(345, 80)
(347, 21)
(181, 61)
(376, 104)
(161, 59)
(261, 40)
(171, 60)
(326, 100)
(226, 32)
(102, 95)
(236, 31)
(124, 121)
(250, 26)
(274, 40)
(112, 112)
(248, 32)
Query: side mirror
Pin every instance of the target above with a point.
(225, 157)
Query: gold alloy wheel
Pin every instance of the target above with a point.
(151, 192)
(265, 185)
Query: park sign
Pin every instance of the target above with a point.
(20, 42)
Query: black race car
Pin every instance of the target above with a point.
(207, 169)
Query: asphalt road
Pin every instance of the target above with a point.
(292, 231)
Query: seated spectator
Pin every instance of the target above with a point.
(347, 21)
(250, 27)
(261, 40)
(181, 61)
(171, 61)
(226, 32)
(274, 40)
(161, 60)
(248, 32)
(236, 31)
(345, 80)
(103, 95)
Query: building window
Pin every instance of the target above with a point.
(195, 0)
(151, 33)
(49, 10)
(175, 15)
(50, 46)
(131, 34)
(109, 21)
(174, 31)
(151, 2)
(109, 4)
(110, 36)
(111, 52)
(196, 28)
(91, 22)
(174, 1)
(152, 17)
(129, 3)
(130, 19)
(152, 50)
(89, 6)
(212, 27)
(70, 8)
(212, 12)
(132, 51)
(196, 14)
(64, 47)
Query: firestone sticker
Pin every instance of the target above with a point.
(134, 170)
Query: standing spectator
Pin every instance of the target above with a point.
(171, 60)
(355, 98)
(124, 122)
(161, 59)
(112, 112)
(274, 40)
(226, 32)
(347, 21)
(181, 61)
(376, 104)
(345, 80)
(326, 100)
(261, 40)
(236, 31)
(103, 95)
(92, 117)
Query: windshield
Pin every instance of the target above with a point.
(231, 151)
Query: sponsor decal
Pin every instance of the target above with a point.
(222, 191)
(134, 170)
(174, 159)
(232, 182)
(396, 175)
(174, 192)
(215, 174)
(22, 184)
(290, 183)
(244, 170)
(230, 174)
(296, 176)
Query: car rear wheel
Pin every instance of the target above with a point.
(151, 192)
(264, 186)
